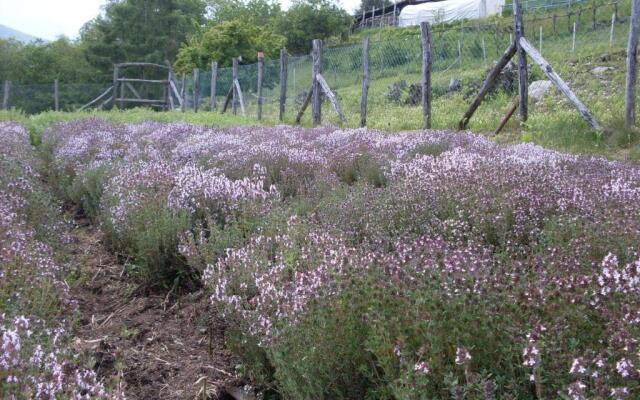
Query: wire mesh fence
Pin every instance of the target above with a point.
(461, 56)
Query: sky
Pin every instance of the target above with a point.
(48, 19)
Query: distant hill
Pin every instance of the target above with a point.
(6, 33)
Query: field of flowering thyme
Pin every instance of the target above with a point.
(359, 264)
(36, 361)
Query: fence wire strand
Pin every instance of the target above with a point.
(461, 56)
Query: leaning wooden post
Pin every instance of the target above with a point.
(214, 82)
(632, 52)
(523, 85)
(234, 91)
(196, 89)
(260, 77)
(365, 82)
(487, 85)
(283, 82)
(56, 96)
(425, 38)
(560, 84)
(5, 97)
(316, 105)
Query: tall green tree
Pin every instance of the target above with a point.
(226, 40)
(140, 30)
(312, 19)
(258, 12)
(43, 62)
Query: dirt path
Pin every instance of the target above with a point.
(159, 348)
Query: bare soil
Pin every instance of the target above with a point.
(158, 346)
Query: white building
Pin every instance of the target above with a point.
(448, 10)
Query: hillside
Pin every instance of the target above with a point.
(10, 33)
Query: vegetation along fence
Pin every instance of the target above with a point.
(461, 55)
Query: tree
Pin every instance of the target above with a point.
(368, 5)
(312, 19)
(258, 12)
(140, 30)
(226, 40)
(43, 62)
(35, 66)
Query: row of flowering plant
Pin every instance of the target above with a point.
(36, 359)
(355, 263)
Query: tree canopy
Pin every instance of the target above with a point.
(140, 30)
(44, 62)
(312, 19)
(188, 33)
(226, 40)
(257, 12)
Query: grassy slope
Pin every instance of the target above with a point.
(552, 123)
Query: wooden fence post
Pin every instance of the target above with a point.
(316, 104)
(425, 38)
(555, 30)
(613, 21)
(395, 16)
(365, 82)
(5, 97)
(523, 85)
(196, 89)
(115, 86)
(283, 82)
(214, 84)
(593, 14)
(183, 92)
(56, 96)
(540, 49)
(632, 50)
(234, 92)
(260, 77)
(484, 53)
(122, 86)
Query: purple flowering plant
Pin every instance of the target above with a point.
(353, 263)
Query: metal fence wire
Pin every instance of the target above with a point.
(461, 55)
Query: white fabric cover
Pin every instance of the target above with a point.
(449, 10)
